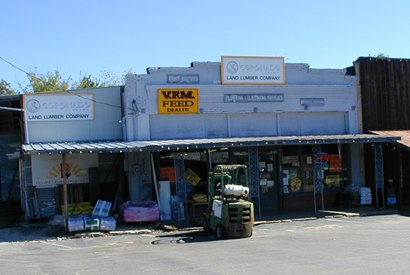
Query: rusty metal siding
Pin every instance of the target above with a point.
(385, 92)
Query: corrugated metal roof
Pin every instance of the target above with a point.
(189, 144)
(403, 134)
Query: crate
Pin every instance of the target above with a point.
(102, 208)
(107, 224)
(75, 223)
(91, 223)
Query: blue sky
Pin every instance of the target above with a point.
(88, 37)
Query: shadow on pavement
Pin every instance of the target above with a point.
(185, 237)
(31, 232)
(13, 227)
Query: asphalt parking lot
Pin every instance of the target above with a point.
(329, 245)
(15, 228)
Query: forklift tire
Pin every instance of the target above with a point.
(220, 232)
(205, 225)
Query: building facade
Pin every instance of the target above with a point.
(299, 136)
(57, 123)
(384, 87)
(296, 128)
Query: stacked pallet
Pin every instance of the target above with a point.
(365, 196)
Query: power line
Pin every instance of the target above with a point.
(67, 91)
(11, 64)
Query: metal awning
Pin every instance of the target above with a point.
(200, 143)
(404, 135)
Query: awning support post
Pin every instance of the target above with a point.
(379, 173)
(65, 195)
(317, 176)
(154, 176)
(254, 176)
(179, 167)
(401, 180)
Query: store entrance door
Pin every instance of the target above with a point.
(269, 181)
(268, 174)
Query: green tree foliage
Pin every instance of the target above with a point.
(379, 55)
(54, 81)
(5, 88)
(106, 79)
(86, 82)
(51, 81)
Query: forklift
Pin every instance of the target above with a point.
(229, 214)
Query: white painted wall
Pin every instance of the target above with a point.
(139, 172)
(105, 125)
(217, 118)
(221, 119)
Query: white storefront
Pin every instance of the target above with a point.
(274, 114)
(311, 101)
(297, 129)
(57, 123)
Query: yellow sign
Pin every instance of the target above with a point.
(178, 101)
(191, 177)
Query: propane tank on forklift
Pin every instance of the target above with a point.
(230, 214)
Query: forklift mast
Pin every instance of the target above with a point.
(224, 177)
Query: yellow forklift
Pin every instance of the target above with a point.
(230, 214)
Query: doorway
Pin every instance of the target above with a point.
(269, 180)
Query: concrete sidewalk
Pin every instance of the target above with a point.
(285, 216)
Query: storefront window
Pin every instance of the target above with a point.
(196, 171)
(239, 155)
(298, 168)
(334, 173)
(219, 156)
(267, 165)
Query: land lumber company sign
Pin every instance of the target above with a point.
(59, 107)
(178, 101)
(252, 70)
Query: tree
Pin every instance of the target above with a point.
(86, 82)
(380, 55)
(110, 79)
(51, 81)
(54, 81)
(106, 79)
(5, 88)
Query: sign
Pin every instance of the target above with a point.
(332, 180)
(321, 158)
(335, 163)
(183, 78)
(47, 169)
(252, 70)
(245, 98)
(178, 101)
(191, 177)
(316, 102)
(59, 107)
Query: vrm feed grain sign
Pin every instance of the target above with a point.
(178, 101)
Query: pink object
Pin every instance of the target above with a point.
(146, 211)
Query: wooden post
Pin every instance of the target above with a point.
(154, 176)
